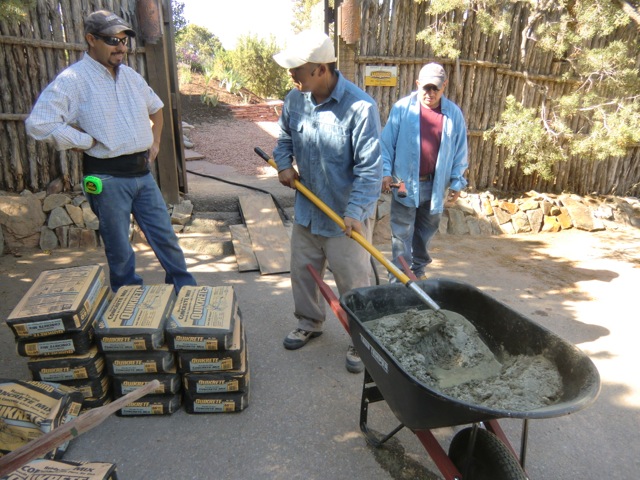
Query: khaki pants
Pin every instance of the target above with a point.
(349, 263)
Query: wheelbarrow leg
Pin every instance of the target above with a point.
(438, 455)
(370, 391)
(371, 394)
(523, 443)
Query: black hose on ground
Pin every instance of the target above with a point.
(275, 200)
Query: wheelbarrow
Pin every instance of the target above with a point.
(481, 451)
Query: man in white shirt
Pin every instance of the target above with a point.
(107, 110)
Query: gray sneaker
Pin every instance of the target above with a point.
(299, 338)
(353, 363)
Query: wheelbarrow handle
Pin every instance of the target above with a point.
(401, 276)
(331, 298)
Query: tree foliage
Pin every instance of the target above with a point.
(249, 65)
(524, 137)
(177, 14)
(302, 14)
(253, 60)
(15, 10)
(605, 98)
(197, 46)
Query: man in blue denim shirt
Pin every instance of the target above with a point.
(424, 146)
(331, 129)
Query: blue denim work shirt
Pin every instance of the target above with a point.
(401, 151)
(336, 148)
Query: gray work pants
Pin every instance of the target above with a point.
(347, 259)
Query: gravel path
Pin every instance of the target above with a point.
(231, 141)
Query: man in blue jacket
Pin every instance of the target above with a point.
(424, 146)
(331, 129)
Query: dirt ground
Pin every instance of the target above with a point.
(196, 112)
(583, 286)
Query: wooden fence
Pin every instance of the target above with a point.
(33, 51)
(488, 70)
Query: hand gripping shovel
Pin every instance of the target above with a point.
(401, 276)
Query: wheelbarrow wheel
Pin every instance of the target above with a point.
(490, 460)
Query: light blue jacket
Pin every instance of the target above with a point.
(401, 151)
(336, 146)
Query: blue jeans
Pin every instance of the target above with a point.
(412, 230)
(120, 197)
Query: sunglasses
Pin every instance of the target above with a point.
(430, 88)
(113, 41)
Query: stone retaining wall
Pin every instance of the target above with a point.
(58, 220)
(32, 220)
(65, 220)
(488, 214)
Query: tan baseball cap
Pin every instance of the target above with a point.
(432, 74)
(307, 47)
(104, 22)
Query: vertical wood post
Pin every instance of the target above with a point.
(176, 104)
(347, 61)
(348, 27)
(150, 13)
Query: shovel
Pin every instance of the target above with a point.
(401, 276)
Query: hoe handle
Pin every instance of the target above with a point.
(401, 276)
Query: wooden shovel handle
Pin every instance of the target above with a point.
(86, 421)
(375, 253)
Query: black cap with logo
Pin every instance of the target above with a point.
(104, 22)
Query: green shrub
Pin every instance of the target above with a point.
(210, 99)
(197, 47)
(252, 60)
(231, 81)
(184, 74)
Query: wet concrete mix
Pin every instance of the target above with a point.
(447, 354)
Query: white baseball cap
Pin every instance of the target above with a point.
(307, 47)
(432, 74)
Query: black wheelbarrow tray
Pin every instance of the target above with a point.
(421, 408)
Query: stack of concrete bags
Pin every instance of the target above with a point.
(54, 327)
(30, 409)
(130, 333)
(206, 332)
(42, 469)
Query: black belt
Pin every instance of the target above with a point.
(426, 178)
(131, 165)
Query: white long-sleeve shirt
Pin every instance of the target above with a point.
(114, 112)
